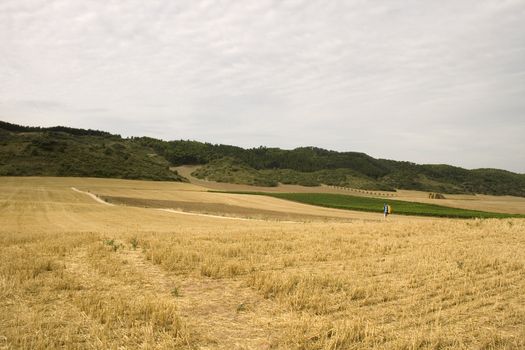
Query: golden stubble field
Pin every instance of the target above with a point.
(78, 274)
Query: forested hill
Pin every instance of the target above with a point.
(63, 151)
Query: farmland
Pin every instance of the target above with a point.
(340, 201)
(77, 273)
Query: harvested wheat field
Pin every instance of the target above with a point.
(78, 273)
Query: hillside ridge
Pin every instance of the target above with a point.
(65, 151)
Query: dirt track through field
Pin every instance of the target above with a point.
(222, 309)
(95, 197)
(207, 215)
(221, 313)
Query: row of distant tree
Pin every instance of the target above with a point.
(72, 131)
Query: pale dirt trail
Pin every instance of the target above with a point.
(95, 197)
(207, 215)
(225, 217)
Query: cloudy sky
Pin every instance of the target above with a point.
(424, 81)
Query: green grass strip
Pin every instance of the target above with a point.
(342, 201)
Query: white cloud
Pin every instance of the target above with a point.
(421, 81)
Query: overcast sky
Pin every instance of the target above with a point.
(424, 81)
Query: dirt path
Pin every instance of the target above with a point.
(95, 197)
(209, 215)
(231, 217)
(221, 314)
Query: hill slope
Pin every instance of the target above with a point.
(76, 152)
(66, 151)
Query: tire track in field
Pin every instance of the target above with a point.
(221, 314)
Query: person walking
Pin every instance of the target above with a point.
(385, 210)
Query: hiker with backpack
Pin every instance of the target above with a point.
(387, 209)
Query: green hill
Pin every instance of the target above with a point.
(75, 152)
(63, 151)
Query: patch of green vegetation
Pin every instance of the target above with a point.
(341, 201)
(231, 170)
(175, 292)
(113, 244)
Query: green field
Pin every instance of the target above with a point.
(341, 201)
